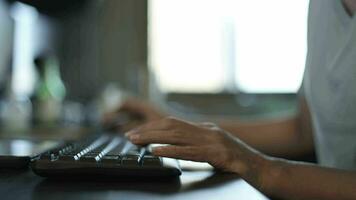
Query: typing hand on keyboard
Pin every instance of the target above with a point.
(103, 155)
(203, 142)
(131, 114)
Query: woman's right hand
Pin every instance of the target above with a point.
(142, 109)
(132, 113)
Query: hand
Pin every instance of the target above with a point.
(204, 142)
(141, 108)
(131, 114)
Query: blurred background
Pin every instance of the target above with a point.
(65, 63)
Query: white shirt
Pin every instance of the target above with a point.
(330, 82)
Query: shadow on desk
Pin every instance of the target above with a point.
(89, 189)
(207, 185)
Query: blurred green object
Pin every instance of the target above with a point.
(50, 92)
(50, 82)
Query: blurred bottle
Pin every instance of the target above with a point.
(49, 93)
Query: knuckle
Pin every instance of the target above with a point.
(171, 118)
(169, 122)
(209, 124)
(216, 128)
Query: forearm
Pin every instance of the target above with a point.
(278, 138)
(293, 180)
(288, 137)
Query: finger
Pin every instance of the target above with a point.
(119, 121)
(150, 126)
(168, 123)
(161, 137)
(131, 106)
(129, 126)
(181, 152)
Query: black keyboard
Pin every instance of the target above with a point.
(104, 156)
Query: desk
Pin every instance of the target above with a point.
(206, 185)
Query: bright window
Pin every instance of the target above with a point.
(216, 45)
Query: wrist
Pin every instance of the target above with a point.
(255, 169)
(274, 173)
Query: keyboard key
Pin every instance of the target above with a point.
(130, 160)
(66, 158)
(92, 153)
(151, 161)
(49, 156)
(95, 144)
(66, 149)
(107, 148)
(88, 158)
(111, 160)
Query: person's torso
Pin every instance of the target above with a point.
(330, 82)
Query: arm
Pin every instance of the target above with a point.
(350, 6)
(286, 137)
(278, 178)
(290, 137)
(292, 180)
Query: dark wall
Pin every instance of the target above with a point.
(105, 42)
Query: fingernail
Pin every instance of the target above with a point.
(127, 134)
